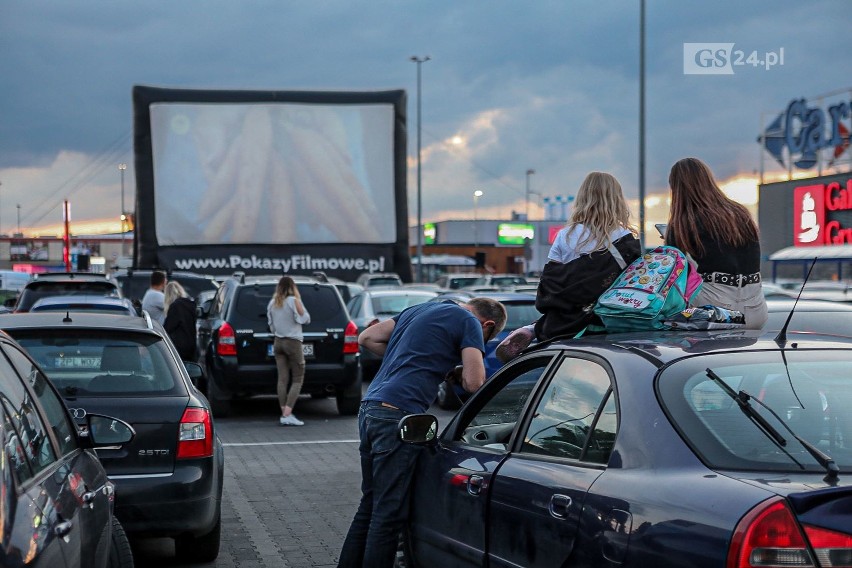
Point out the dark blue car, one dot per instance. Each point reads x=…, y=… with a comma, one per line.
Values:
x=520, y=311
x=706, y=449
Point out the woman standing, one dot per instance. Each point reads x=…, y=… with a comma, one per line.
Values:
x=581, y=265
x=286, y=314
x=180, y=319
x=721, y=236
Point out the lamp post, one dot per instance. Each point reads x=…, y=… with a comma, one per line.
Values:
x=476, y=195
x=19, y=219
x=527, y=211
x=121, y=168
x=642, y=124
x=419, y=61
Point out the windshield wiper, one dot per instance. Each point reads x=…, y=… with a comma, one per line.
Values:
x=742, y=399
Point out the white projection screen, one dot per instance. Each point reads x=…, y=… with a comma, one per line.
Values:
x=284, y=173
x=266, y=181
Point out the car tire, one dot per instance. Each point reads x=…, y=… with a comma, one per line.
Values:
x=349, y=398
x=220, y=403
x=446, y=398
x=198, y=549
x=120, y=554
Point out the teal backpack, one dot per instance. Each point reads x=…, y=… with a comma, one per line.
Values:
x=653, y=288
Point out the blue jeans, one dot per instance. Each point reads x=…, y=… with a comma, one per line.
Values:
x=387, y=465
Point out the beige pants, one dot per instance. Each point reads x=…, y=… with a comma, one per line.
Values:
x=747, y=299
x=289, y=358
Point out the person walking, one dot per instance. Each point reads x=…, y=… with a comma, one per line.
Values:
x=721, y=237
x=581, y=265
x=286, y=315
x=153, y=300
x=420, y=345
x=180, y=320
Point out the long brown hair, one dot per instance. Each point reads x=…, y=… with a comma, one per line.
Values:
x=698, y=201
x=601, y=209
x=282, y=290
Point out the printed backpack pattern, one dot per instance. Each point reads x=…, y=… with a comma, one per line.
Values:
x=654, y=287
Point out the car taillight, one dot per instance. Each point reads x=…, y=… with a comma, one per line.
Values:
x=350, y=338
x=831, y=548
x=195, y=436
x=768, y=536
x=226, y=343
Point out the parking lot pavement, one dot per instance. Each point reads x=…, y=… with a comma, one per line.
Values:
x=290, y=492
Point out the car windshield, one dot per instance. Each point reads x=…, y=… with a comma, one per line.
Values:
x=392, y=305
x=811, y=395
x=102, y=363
x=385, y=281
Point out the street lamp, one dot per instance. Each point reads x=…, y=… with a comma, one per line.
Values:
x=476, y=195
x=19, y=219
x=419, y=61
x=121, y=168
x=527, y=211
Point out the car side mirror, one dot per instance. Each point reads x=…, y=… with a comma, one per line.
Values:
x=203, y=310
x=419, y=429
x=194, y=370
x=105, y=431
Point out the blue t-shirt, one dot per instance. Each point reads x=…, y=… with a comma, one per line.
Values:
x=426, y=342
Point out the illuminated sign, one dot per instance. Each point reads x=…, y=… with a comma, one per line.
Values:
x=804, y=131
x=552, y=231
x=429, y=233
x=812, y=207
x=514, y=233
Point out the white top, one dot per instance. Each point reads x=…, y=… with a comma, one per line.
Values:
x=565, y=245
x=286, y=321
x=153, y=302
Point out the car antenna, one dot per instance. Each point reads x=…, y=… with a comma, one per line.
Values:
x=67, y=318
x=781, y=338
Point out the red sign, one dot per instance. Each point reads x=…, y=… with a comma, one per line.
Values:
x=811, y=202
x=552, y=231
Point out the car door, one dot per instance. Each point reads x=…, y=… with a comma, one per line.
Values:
x=81, y=483
x=451, y=487
x=538, y=492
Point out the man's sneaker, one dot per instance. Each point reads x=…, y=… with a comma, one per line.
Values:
x=516, y=342
x=290, y=420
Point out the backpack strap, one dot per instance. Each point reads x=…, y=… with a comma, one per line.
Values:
x=617, y=256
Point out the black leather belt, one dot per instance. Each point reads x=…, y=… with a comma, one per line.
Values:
x=736, y=280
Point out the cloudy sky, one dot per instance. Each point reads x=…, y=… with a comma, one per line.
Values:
x=512, y=85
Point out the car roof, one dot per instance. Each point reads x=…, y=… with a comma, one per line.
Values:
x=397, y=291
x=778, y=304
x=663, y=347
x=79, y=320
x=79, y=299
x=71, y=276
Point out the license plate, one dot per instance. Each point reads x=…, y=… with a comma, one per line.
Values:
x=307, y=350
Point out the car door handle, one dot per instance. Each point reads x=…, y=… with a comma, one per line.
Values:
x=559, y=505
x=474, y=484
x=62, y=529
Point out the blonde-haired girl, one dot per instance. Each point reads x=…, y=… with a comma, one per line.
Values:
x=286, y=314
x=582, y=263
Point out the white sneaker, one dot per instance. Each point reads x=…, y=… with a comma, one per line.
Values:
x=290, y=420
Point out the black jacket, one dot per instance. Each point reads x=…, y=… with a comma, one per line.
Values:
x=567, y=292
x=180, y=325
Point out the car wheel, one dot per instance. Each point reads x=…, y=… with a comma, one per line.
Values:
x=220, y=403
x=204, y=548
x=120, y=554
x=446, y=398
x=349, y=398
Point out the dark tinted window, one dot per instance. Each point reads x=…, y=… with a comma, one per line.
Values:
x=37, y=290
x=99, y=363
x=322, y=302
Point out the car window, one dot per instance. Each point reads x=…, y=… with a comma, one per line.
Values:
x=492, y=419
x=25, y=420
x=566, y=415
x=519, y=314
x=355, y=306
x=12, y=444
x=322, y=302
x=392, y=305
x=194, y=286
x=101, y=363
x=809, y=392
x=37, y=290
x=53, y=407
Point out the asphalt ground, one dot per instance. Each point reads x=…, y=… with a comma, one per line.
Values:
x=289, y=492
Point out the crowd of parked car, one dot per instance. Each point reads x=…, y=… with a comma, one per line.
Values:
x=562, y=430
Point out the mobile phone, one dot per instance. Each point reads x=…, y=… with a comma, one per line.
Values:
x=661, y=228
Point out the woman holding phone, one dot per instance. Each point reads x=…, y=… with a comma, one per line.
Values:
x=286, y=315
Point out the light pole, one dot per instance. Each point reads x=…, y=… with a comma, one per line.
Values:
x=419, y=61
x=121, y=168
x=19, y=219
x=642, y=124
x=527, y=211
x=476, y=195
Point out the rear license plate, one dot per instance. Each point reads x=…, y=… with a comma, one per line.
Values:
x=307, y=350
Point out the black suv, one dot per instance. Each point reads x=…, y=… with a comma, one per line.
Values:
x=65, y=284
x=135, y=282
x=235, y=343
